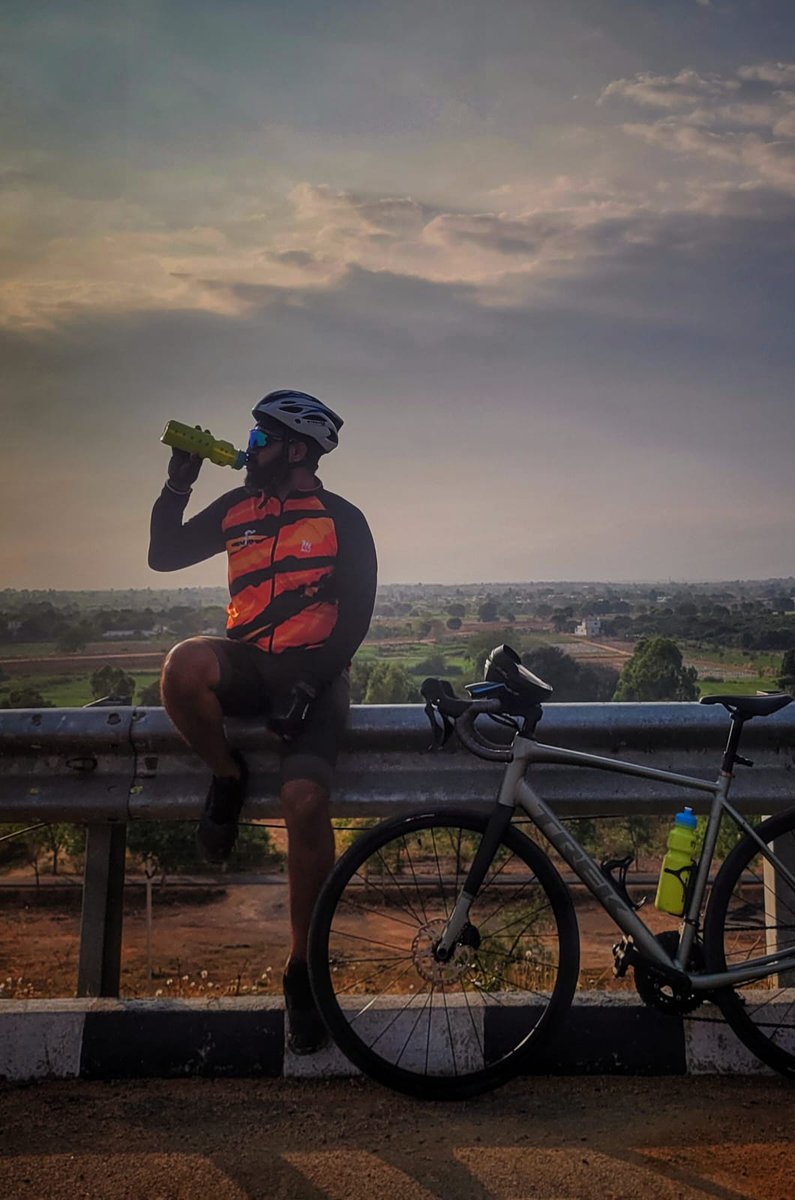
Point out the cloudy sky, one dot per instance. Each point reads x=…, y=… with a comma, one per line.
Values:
x=539, y=256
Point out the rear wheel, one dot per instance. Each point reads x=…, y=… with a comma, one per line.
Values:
x=752, y=914
x=442, y=1030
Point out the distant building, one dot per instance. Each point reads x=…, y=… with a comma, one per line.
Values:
x=589, y=627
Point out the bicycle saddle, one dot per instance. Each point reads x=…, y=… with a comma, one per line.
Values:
x=504, y=666
x=746, y=707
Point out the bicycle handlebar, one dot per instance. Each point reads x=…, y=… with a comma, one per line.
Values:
x=473, y=739
x=464, y=713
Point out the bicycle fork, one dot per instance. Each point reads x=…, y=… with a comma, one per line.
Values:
x=500, y=819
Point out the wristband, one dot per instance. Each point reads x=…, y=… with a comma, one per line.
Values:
x=176, y=491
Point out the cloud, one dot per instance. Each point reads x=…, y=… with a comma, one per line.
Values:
x=754, y=131
x=669, y=91
x=228, y=250
x=769, y=72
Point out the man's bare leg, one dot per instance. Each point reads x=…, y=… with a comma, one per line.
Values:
x=310, y=855
x=190, y=673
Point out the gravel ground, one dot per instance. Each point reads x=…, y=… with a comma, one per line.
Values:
x=553, y=1138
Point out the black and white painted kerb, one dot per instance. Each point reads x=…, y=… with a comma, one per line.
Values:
x=124, y=1039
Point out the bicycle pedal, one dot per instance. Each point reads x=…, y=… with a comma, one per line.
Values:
x=625, y=955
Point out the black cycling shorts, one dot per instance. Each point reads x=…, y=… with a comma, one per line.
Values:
x=251, y=684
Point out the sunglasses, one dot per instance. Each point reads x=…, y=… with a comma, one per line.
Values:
x=259, y=438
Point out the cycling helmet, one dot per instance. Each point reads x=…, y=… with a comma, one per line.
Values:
x=304, y=414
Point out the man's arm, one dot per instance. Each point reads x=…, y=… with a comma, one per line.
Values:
x=355, y=576
x=173, y=545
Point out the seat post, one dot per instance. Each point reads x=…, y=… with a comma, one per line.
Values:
x=732, y=745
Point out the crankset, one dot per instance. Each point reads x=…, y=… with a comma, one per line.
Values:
x=658, y=989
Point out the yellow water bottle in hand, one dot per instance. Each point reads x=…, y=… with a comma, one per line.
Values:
x=195, y=440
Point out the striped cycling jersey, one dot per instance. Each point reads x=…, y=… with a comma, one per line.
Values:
x=281, y=564
x=302, y=571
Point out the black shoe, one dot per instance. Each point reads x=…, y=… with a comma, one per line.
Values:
x=217, y=832
x=306, y=1032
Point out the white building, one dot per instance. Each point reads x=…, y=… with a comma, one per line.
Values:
x=589, y=627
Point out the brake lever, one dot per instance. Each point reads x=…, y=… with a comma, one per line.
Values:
x=442, y=725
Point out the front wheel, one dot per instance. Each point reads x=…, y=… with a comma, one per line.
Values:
x=442, y=1030
x=751, y=914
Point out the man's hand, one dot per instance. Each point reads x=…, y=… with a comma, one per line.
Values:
x=183, y=470
x=289, y=711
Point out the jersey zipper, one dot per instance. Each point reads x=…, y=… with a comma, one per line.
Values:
x=272, y=561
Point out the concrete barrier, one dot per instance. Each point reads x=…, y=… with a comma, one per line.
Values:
x=129, y=1039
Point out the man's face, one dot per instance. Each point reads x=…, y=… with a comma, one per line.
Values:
x=268, y=465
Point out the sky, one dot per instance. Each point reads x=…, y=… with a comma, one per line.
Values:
x=538, y=256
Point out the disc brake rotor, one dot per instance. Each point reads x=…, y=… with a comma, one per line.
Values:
x=433, y=969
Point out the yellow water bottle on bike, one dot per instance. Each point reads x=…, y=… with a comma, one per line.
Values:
x=678, y=864
x=195, y=440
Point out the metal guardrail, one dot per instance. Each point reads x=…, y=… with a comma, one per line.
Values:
x=104, y=767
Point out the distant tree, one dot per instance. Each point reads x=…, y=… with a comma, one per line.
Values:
x=563, y=619
x=172, y=846
x=457, y=610
x=389, y=683
x=434, y=664
x=32, y=843
x=73, y=639
x=656, y=672
x=488, y=610
x=786, y=675
x=360, y=677
x=26, y=697
x=150, y=695
x=111, y=681
x=453, y=622
x=570, y=679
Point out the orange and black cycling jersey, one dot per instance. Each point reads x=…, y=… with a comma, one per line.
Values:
x=302, y=571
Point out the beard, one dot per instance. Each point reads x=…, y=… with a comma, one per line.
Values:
x=266, y=477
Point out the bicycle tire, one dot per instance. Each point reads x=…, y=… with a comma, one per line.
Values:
x=442, y=1031
x=738, y=928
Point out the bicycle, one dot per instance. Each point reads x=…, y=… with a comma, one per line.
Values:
x=444, y=950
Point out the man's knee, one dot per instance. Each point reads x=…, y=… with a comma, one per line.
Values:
x=304, y=803
x=189, y=667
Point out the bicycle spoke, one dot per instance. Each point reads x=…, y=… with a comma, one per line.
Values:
x=414, y=877
x=378, y=912
x=357, y=937
x=439, y=873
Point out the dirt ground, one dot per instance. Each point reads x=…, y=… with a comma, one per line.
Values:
x=220, y=938
x=540, y=1139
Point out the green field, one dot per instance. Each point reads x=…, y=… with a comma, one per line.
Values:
x=69, y=685
x=68, y=691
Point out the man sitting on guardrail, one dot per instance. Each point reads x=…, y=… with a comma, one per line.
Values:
x=302, y=576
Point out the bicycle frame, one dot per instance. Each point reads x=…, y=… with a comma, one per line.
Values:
x=516, y=791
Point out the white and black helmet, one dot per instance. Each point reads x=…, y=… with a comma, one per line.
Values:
x=305, y=415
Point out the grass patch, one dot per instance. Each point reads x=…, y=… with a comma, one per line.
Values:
x=736, y=687
x=27, y=649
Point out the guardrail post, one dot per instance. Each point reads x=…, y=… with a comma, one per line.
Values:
x=780, y=906
x=99, y=970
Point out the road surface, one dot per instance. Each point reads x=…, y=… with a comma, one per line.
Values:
x=556, y=1139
